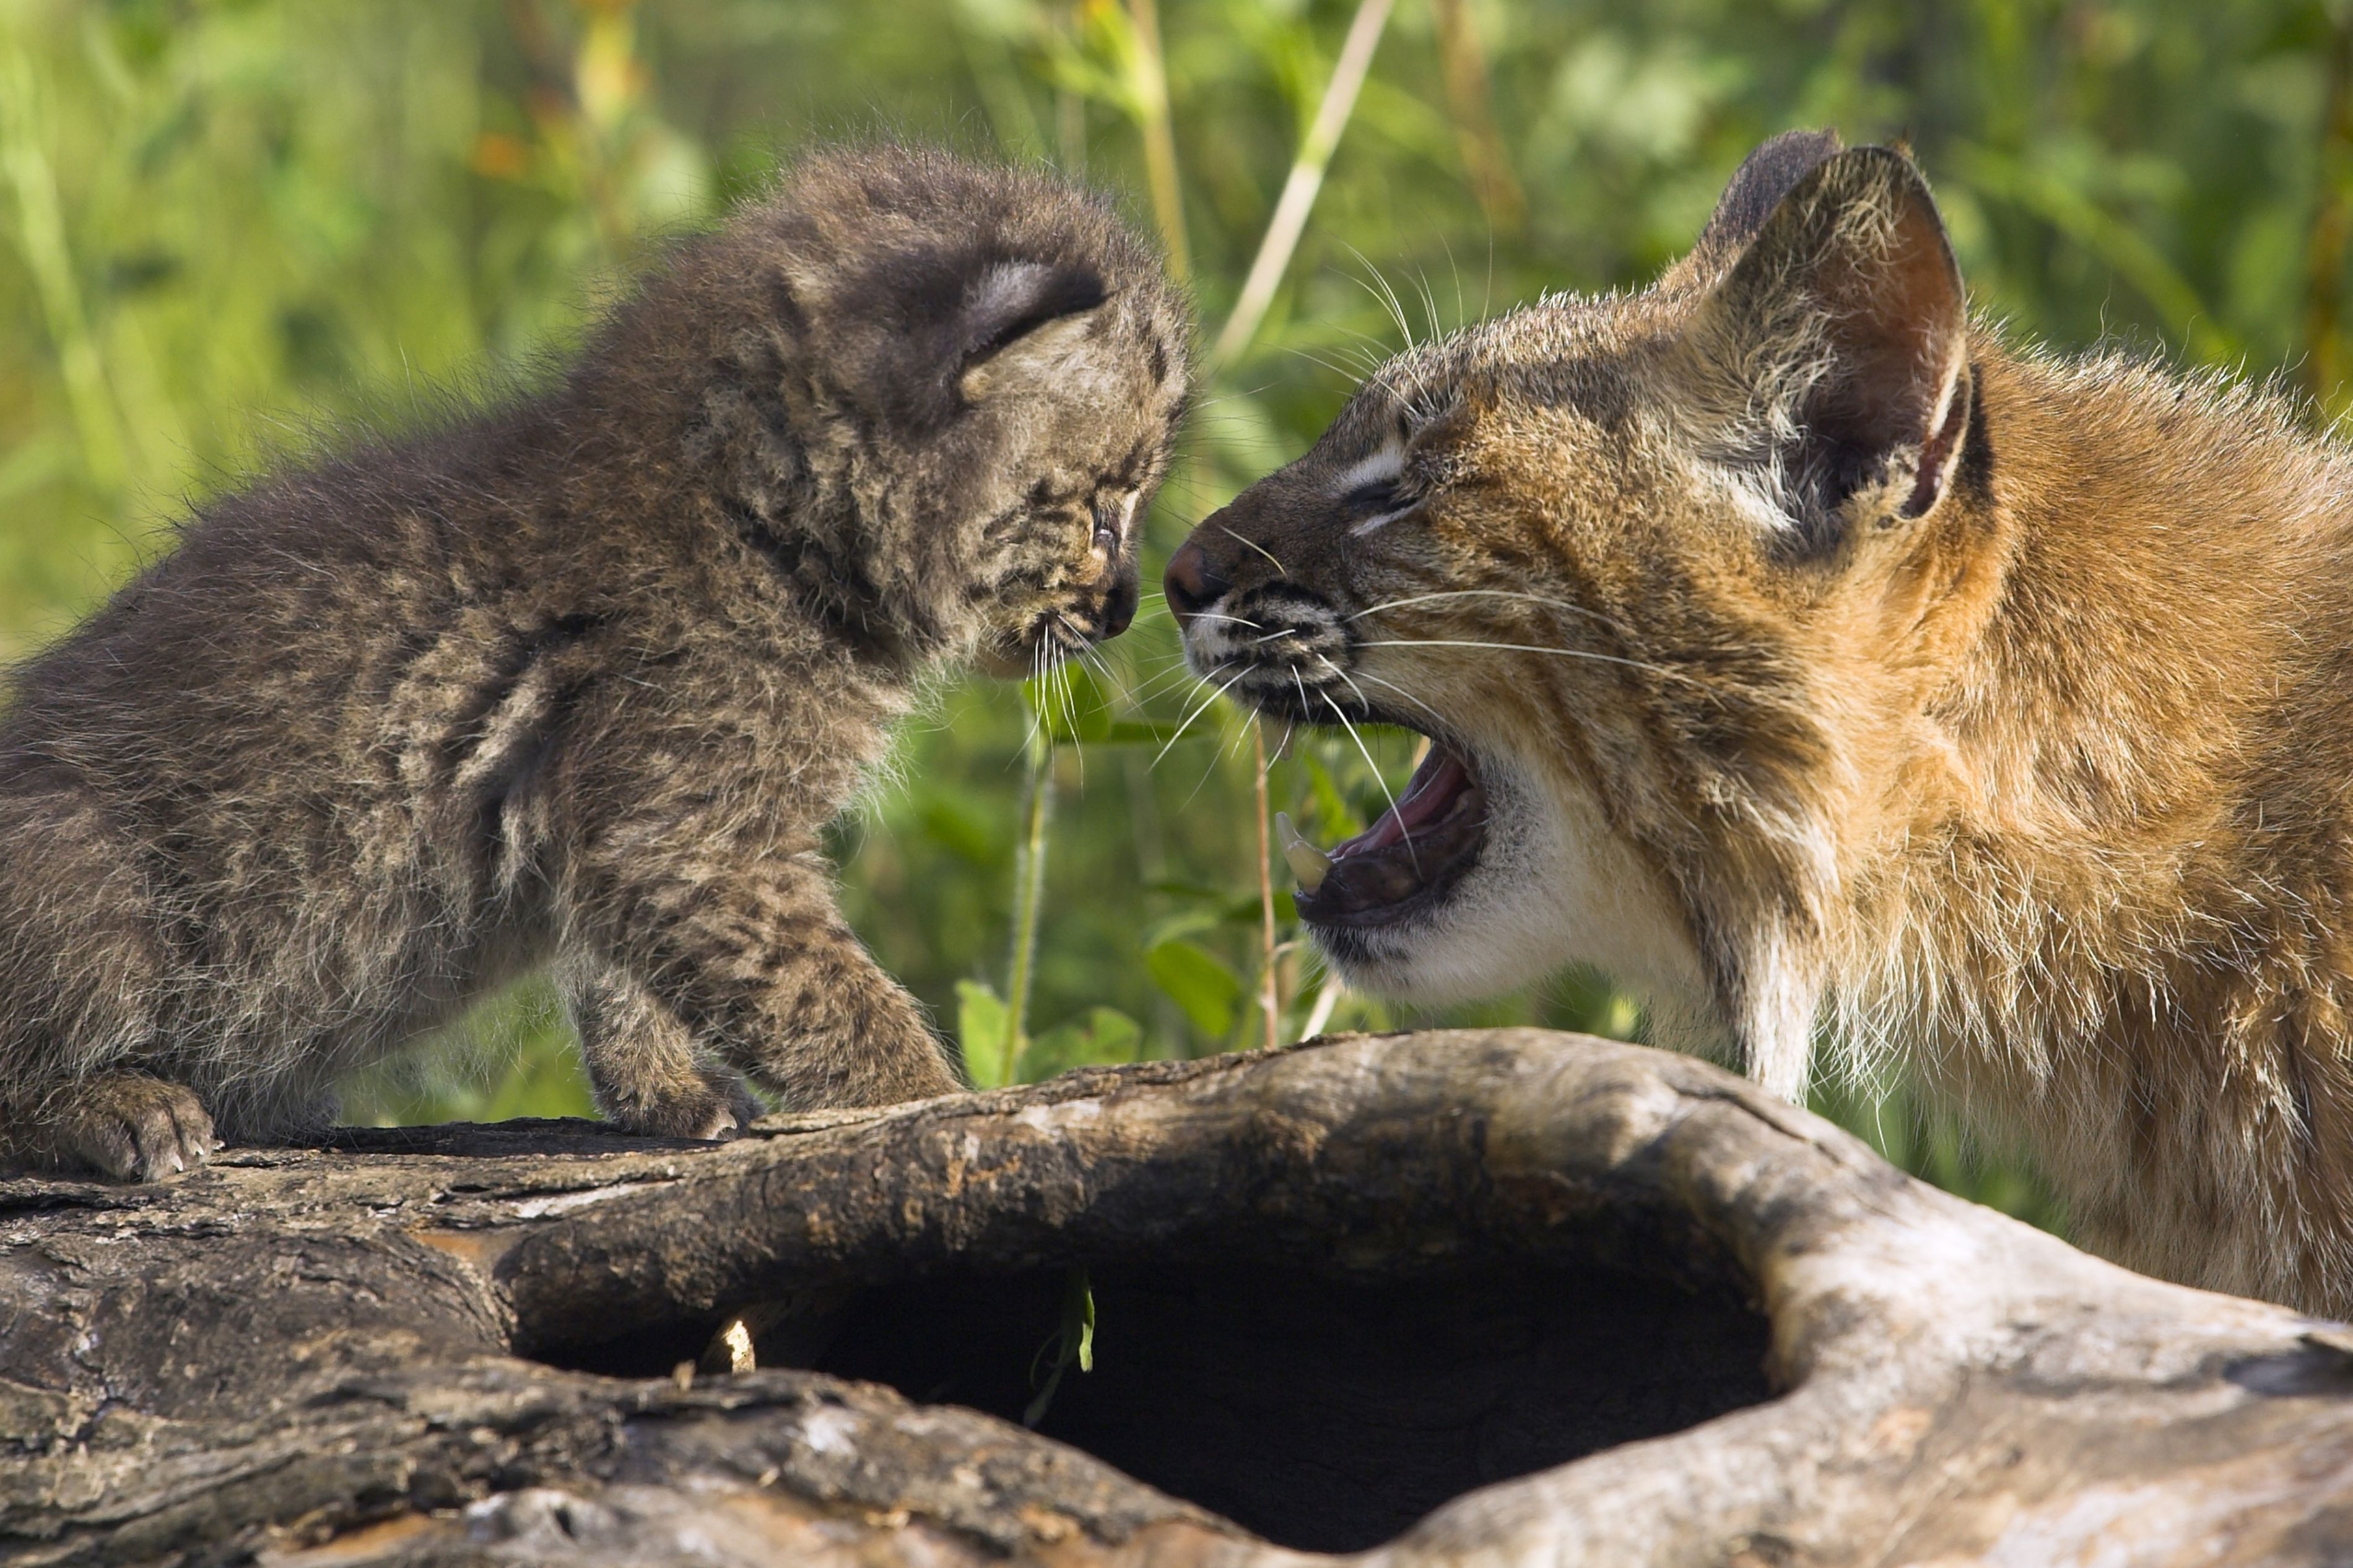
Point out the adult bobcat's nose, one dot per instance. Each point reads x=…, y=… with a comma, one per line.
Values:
x=1194, y=580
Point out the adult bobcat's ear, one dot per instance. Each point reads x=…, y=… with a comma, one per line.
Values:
x=1835, y=349
x=1021, y=319
x=1756, y=187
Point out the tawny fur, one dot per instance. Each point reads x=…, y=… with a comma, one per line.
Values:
x=579, y=681
x=1987, y=706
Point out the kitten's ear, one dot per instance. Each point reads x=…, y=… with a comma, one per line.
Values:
x=1019, y=321
x=1835, y=349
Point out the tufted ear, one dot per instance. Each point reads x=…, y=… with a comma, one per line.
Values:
x=1021, y=319
x=1756, y=187
x=1836, y=344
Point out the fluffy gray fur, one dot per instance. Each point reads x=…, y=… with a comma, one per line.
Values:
x=578, y=681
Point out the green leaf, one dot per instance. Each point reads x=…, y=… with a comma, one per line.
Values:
x=1134, y=732
x=1183, y=924
x=960, y=827
x=1198, y=982
x=981, y=1025
x=1334, y=820
x=1103, y=1036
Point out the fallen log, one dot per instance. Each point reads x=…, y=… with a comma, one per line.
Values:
x=1440, y=1298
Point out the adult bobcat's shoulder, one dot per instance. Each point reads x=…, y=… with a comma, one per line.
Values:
x=1801, y=652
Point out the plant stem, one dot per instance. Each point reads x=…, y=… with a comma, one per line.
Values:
x=1151, y=87
x=1010, y=119
x=1306, y=178
x=2325, y=251
x=1463, y=66
x=41, y=235
x=1320, y=1015
x=1269, y=1000
x=1029, y=899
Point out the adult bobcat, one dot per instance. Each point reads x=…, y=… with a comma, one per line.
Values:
x=1800, y=653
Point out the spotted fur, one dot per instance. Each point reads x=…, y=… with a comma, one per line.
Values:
x=1834, y=666
x=579, y=681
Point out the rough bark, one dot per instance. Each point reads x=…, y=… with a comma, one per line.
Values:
x=1554, y=1299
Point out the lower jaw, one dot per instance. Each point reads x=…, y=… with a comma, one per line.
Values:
x=1431, y=897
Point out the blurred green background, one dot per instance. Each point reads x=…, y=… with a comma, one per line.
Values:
x=226, y=228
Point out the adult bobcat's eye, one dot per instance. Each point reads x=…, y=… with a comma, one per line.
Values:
x=1106, y=527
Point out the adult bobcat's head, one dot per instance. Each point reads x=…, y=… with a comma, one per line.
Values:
x=1640, y=567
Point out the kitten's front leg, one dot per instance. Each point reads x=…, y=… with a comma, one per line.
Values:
x=126, y=1125
x=770, y=978
x=643, y=1064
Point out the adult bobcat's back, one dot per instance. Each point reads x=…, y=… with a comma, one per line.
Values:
x=1802, y=654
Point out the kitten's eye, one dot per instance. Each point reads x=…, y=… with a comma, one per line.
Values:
x=1381, y=495
x=1106, y=526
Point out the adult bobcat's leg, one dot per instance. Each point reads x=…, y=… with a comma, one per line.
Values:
x=756, y=955
x=643, y=1064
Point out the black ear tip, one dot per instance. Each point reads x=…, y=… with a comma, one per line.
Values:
x=1776, y=167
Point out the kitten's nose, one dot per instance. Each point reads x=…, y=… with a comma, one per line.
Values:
x=1119, y=604
x=1194, y=580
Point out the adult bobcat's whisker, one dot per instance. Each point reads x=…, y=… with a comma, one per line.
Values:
x=1203, y=706
x=1401, y=692
x=1386, y=296
x=1333, y=665
x=1165, y=680
x=1405, y=832
x=1262, y=550
x=1528, y=647
x=1611, y=622
x=1274, y=756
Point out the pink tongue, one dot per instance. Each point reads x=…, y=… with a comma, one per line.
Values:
x=1428, y=794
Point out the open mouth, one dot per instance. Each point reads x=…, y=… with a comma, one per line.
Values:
x=1407, y=861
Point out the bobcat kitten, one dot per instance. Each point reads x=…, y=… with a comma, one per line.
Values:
x=1807, y=656
x=578, y=681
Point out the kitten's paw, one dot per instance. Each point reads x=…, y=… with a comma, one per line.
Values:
x=717, y=1107
x=131, y=1128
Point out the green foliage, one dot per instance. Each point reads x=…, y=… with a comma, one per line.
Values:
x=229, y=225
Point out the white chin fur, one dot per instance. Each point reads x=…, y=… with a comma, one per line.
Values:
x=1554, y=886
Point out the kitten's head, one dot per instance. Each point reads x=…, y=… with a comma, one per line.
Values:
x=977, y=373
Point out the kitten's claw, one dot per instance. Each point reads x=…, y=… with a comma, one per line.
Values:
x=133, y=1128
x=716, y=1108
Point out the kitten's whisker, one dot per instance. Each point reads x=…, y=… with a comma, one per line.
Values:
x=1067, y=702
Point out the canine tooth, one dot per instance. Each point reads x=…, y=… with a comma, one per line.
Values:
x=1306, y=862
